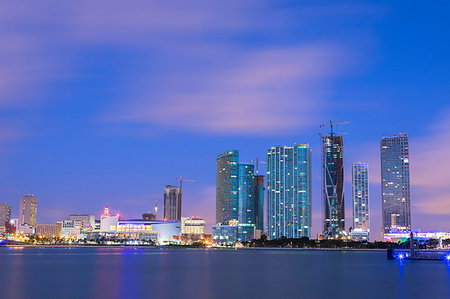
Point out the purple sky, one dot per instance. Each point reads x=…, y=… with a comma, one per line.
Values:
x=107, y=102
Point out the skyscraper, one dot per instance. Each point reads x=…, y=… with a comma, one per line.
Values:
x=227, y=186
x=289, y=191
x=28, y=210
x=395, y=183
x=5, y=213
x=333, y=186
x=360, y=196
x=246, y=189
x=172, y=203
x=259, y=201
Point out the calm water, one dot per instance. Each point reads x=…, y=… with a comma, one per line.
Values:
x=191, y=273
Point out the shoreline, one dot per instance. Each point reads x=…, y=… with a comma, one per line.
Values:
x=182, y=247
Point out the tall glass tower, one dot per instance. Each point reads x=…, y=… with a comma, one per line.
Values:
x=395, y=183
x=360, y=196
x=333, y=186
x=247, y=204
x=172, y=203
x=289, y=191
x=259, y=201
x=227, y=186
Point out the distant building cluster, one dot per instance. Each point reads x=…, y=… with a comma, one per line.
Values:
x=240, y=203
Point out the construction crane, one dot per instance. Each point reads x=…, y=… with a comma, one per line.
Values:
x=181, y=182
x=257, y=161
x=332, y=125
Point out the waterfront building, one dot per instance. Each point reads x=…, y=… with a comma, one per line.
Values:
x=236, y=197
x=360, y=197
x=88, y=221
x=231, y=232
x=70, y=229
x=161, y=232
x=172, y=203
x=246, y=192
x=333, y=186
x=47, y=230
x=227, y=186
x=5, y=214
x=395, y=183
x=259, y=202
x=192, y=229
x=28, y=210
x=289, y=191
x=192, y=226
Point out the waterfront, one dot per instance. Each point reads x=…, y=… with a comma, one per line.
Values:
x=198, y=273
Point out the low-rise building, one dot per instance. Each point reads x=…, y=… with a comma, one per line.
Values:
x=232, y=232
x=403, y=236
x=71, y=229
x=161, y=232
x=47, y=230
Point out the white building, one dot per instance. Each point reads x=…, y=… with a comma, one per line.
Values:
x=161, y=232
x=360, y=197
x=192, y=226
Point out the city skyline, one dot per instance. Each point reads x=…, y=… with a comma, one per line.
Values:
x=96, y=112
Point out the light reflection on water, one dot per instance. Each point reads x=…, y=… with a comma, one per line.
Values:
x=188, y=273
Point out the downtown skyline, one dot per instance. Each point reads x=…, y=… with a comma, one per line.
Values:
x=101, y=112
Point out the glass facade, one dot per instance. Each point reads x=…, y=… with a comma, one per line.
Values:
x=360, y=196
x=172, y=203
x=246, y=206
x=259, y=201
x=333, y=186
x=227, y=186
x=395, y=183
x=289, y=191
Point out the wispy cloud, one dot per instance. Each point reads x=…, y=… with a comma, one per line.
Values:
x=262, y=91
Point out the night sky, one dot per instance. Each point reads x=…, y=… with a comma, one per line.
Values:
x=109, y=101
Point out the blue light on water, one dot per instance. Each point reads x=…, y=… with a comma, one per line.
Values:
x=447, y=257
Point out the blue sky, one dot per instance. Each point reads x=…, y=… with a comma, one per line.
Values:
x=106, y=102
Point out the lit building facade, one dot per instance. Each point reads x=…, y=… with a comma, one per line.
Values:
x=47, y=230
x=5, y=213
x=231, y=232
x=333, y=186
x=395, y=183
x=172, y=203
x=246, y=191
x=192, y=226
x=289, y=191
x=28, y=210
x=227, y=186
x=360, y=196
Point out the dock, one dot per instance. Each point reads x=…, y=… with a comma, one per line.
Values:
x=417, y=254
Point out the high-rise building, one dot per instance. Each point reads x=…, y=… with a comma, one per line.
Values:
x=289, y=191
x=333, y=186
x=172, y=203
x=259, y=201
x=28, y=210
x=246, y=190
x=5, y=213
x=360, y=196
x=227, y=186
x=395, y=183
